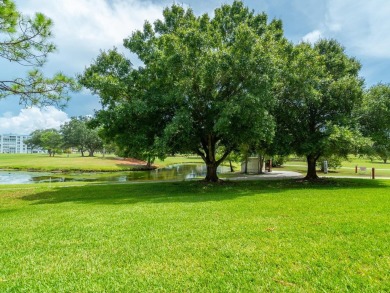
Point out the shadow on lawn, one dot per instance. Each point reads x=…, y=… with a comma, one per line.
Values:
x=143, y=193
x=190, y=192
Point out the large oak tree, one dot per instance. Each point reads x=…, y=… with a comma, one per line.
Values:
x=317, y=94
x=205, y=84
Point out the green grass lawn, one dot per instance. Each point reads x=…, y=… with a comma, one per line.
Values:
x=75, y=162
x=347, y=169
x=59, y=162
x=261, y=236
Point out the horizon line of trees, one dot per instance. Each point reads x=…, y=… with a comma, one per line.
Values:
x=74, y=134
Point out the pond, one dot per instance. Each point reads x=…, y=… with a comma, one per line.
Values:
x=173, y=172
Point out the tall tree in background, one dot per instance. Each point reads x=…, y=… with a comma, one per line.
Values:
x=317, y=93
x=51, y=140
x=77, y=134
x=205, y=84
x=375, y=119
x=34, y=141
x=47, y=139
x=26, y=41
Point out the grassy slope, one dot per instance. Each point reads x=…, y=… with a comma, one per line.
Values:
x=248, y=236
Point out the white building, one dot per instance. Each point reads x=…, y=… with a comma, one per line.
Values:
x=253, y=165
x=14, y=144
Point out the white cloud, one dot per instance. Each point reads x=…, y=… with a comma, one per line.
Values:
x=312, y=37
x=360, y=25
x=31, y=119
x=83, y=27
x=8, y=114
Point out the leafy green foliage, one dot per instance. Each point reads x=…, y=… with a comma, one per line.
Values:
x=317, y=94
x=77, y=134
x=35, y=139
x=26, y=41
x=8, y=16
x=375, y=119
x=51, y=140
x=47, y=139
x=278, y=161
x=205, y=84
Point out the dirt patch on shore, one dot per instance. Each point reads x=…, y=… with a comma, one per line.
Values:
x=130, y=161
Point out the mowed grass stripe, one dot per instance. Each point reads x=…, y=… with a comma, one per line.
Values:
x=188, y=236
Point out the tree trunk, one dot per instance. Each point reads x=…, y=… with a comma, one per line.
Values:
x=90, y=154
x=148, y=163
x=385, y=161
x=208, y=154
x=311, y=167
x=231, y=166
x=211, y=175
x=261, y=163
x=246, y=166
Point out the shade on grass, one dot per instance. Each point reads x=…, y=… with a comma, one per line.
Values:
x=188, y=236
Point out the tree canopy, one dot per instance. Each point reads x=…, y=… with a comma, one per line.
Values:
x=317, y=93
x=77, y=134
x=375, y=119
x=205, y=84
x=47, y=139
x=213, y=85
x=27, y=41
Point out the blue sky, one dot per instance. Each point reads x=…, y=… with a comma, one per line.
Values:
x=83, y=27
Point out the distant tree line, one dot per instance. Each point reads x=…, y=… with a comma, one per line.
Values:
x=74, y=134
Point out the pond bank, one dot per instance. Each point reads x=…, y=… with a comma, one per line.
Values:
x=173, y=172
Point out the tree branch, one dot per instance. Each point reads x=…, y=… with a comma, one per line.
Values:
x=227, y=152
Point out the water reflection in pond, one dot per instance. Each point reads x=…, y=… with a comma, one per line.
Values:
x=173, y=172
